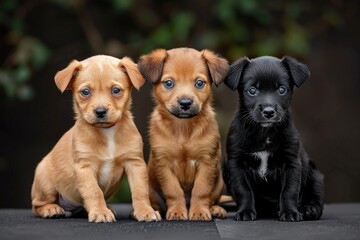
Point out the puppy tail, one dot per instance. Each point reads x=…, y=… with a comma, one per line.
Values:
x=225, y=199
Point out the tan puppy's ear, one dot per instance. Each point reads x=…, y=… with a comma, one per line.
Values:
x=218, y=66
x=130, y=68
x=63, y=78
x=151, y=65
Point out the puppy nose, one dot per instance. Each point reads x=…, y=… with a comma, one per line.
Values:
x=100, y=112
x=268, y=112
x=185, y=103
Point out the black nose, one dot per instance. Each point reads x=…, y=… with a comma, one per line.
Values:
x=268, y=112
x=100, y=112
x=185, y=103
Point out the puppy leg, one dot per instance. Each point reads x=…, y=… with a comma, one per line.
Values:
x=313, y=196
x=94, y=201
x=138, y=180
x=201, y=192
x=290, y=193
x=173, y=194
x=44, y=197
x=215, y=210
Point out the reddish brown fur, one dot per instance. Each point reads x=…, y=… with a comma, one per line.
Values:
x=185, y=153
x=88, y=163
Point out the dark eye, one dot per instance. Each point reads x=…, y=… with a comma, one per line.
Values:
x=168, y=84
x=253, y=91
x=199, y=83
x=85, y=92
x=115, y=90
x=282, y=90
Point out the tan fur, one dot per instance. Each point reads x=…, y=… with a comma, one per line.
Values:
x=185, y=153
x=88, y=162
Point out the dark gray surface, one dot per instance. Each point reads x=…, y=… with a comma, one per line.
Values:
x=340, y=221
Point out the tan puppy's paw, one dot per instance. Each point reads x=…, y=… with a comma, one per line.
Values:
x=50, y=211
x=147, y=215
x=101, y=215
x=176, y=214
x=200, y=214
x=217, y=211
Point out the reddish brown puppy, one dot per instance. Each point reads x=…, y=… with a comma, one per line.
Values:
x=184, y=164
x=87, y=164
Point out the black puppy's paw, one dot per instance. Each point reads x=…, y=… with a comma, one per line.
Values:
x=290, y=216
x=245, y=215
x=311, y=212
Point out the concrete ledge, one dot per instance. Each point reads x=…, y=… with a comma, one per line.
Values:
x=339, y=221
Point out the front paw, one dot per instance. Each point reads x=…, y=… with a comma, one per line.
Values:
x=217, y=211
x=200, y=214
x=50, y=210
x=147, y=215
x=245, y=215
x=311, y=212
x=176, y=214
x=290, y=216
x=101, y=215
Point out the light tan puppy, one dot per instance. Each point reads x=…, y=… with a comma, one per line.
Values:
x=87, y=164
x=184, y=165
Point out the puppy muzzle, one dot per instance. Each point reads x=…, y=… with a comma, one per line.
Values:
x=186, y=108
x=101, y=118
x=267, y=115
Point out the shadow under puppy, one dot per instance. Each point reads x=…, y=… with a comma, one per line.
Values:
x=87, y=164
x=267, y=169
x=184, y=164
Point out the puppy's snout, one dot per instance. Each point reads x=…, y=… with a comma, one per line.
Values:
x=100, y=112
x=185, y=103
x=268, y=112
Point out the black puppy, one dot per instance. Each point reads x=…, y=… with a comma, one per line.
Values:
x=267, y=169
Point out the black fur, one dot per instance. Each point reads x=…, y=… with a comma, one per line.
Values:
x=291, y=187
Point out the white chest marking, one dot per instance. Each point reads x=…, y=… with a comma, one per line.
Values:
x=107, y=166
x=263, y=156
x=193, y=163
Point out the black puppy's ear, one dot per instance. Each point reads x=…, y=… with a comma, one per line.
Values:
x=151, y=65
x=299, y=72
x=233, y=77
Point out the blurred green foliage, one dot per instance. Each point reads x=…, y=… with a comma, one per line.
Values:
x=23, y=54
x=232, y=27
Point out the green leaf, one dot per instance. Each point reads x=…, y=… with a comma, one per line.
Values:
x=39, y=55
x=22, y=74
x=182, y=24
x=122, y=5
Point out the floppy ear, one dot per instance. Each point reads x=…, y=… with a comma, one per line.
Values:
x=63, y=78
x=299, y=72
x=218, y=66
x=236, y=70
x=151, y=65
x=130, y=68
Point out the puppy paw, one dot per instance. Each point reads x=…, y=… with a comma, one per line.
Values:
x=176, y=214
x=200, y=214
x=311, y=212
x=101, y=215
x=148, y=215
x=50, y=211
x=290, y=216
x=217, y=211
x=245, y=215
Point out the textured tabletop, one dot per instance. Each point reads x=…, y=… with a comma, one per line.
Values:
x=339, y=221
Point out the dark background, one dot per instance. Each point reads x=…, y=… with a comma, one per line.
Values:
x=38, y=38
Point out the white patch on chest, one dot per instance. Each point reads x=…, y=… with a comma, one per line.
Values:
x=263, y=156
x=107, y=166
x=193, y=163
